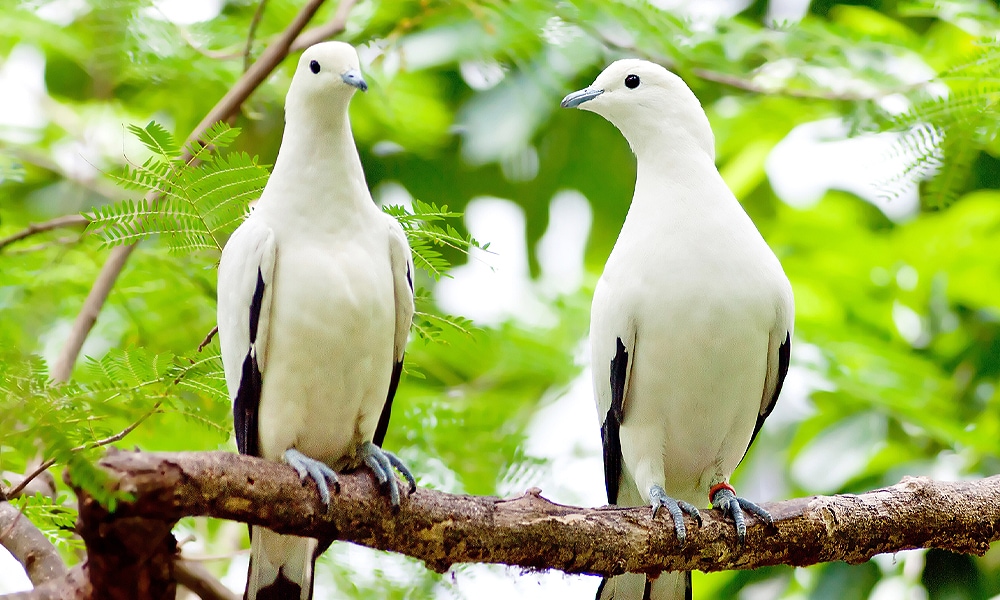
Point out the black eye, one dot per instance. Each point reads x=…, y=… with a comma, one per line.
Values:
x=314, y=67
x=632, y=82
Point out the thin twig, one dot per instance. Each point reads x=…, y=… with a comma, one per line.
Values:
x=208, y=338
x=213, y=54
x=36, y=228
x=743, y=83
x=751, y=86
x=254, y=23
x=89, y=446
x=225, y=108
x=324, y=32
x=68, y=240
x=94, y=185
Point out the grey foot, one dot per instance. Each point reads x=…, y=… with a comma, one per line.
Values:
x=726, y=500
x=381, y=462
x=658, y=498
x=319, y=472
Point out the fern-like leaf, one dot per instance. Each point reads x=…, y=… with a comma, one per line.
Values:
x=942, y=136
x=197, y=205
x=959, y=155
x=157, y=139
x=427, y=228
x=218, y=137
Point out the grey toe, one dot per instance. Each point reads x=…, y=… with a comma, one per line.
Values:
x=658, y=498
x=382, y=462
x=316, y=470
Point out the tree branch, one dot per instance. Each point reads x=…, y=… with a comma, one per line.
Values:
x=747, y=84
x=324, y=32
x=197, y=579
x=444, y=529
x=225, y=108
x=254, y=23
x=41, y=482
x=29, y=546
x=35, y=228
x=75, y=586
x=88, y=446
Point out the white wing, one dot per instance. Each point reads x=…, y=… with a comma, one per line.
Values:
x=401, y=261
x=612, y=346
x=402, y=278
x=246, y=272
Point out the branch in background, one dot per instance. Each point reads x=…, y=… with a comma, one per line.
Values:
x=213, y=54
x=44, y=484
x=92, y=184
x=36, y=228
x=324, y=32
x=750, y=85
x=735, y=81
x=254, y=23
x=29, y=546
x=90, y=446
x=60, y=241
x=226, y=108
x=75, y=586
x=202, y=583
x=444, y=529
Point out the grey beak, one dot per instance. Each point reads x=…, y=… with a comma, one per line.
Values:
x=579, y=97
x=353, y=78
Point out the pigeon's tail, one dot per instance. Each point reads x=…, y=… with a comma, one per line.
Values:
x=281, y=566
x=668, y=586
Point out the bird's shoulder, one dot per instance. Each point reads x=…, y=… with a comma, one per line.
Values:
x=694, y=276
x=253, y=231
x=394, y=229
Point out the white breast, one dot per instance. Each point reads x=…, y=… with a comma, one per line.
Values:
x=331, y=347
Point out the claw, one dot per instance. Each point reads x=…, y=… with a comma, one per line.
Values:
x=394, y=461
x=726, y=500
x=318, y=471
x=659, y=499
x=382, y=462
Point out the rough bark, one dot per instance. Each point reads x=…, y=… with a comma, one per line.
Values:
x=443, y=529
x=201, y=582
x=128, y=558
x=29, y=546
x=74, y=586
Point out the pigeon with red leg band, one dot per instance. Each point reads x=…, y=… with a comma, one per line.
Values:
x=691, y=324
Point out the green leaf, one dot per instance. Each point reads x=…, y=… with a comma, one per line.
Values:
x=157, y=139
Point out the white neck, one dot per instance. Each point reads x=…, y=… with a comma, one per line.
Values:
x=677, y=185
x=655, y=138
x=318, y=173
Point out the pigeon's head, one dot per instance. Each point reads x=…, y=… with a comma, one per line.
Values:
x=327, y=73
x=646, y=103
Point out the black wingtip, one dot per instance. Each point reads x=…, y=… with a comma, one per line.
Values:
x=610, y=439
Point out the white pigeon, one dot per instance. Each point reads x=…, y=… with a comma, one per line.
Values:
x=691, y=323
x=315, y=305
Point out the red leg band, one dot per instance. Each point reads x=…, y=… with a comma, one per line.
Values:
x=719, y=486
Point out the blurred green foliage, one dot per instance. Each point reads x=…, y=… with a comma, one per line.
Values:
x=897, y=350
